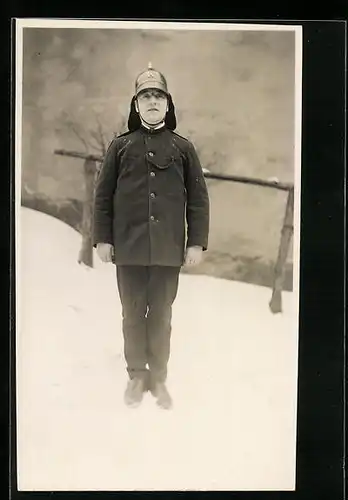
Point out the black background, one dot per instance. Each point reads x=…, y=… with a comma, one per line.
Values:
x=322, y=357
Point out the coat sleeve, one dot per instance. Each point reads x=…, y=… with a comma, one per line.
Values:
x=197, y=209
x=103, y=206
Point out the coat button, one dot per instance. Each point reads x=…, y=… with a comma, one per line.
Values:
x=151, y=153
x=152, y=195
x=152, y=174
x=152, y=217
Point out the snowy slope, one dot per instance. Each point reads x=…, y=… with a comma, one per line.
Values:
x=232, y=375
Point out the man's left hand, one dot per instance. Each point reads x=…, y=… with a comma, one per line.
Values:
x=193, y=256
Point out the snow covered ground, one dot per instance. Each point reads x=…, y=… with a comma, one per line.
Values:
x=232, y=375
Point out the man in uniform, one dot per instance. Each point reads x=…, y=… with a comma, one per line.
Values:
x=151, y=217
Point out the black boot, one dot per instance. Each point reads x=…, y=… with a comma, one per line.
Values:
x=134, y=392
x=164, y=399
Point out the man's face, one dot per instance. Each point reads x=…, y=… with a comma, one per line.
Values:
x=152, y=106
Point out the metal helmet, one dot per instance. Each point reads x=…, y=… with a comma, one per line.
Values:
x=150, y=79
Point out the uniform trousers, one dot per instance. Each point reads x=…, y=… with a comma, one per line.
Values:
x=147, y=294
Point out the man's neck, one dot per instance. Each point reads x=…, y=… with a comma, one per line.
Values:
x=152, y=127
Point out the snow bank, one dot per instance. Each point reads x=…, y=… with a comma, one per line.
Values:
x=232, y=374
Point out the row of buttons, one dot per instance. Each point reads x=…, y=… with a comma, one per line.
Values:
x=152, y=174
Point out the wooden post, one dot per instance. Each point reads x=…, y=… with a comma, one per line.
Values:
x=86, y=251
x=279, y=270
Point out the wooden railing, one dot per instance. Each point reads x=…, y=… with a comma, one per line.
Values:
x=86, y=252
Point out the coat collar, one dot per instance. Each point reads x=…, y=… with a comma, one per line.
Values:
x=152, y=130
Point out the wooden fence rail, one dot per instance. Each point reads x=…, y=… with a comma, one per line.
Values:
x=282, y=186
x=86, y=252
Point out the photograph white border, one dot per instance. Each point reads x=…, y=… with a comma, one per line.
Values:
x=21, y=24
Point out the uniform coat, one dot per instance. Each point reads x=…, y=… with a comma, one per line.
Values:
x=151, y=199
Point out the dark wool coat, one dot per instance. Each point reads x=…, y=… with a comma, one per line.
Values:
x=151, y=199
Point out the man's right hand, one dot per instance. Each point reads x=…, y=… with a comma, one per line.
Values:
x=105, y=252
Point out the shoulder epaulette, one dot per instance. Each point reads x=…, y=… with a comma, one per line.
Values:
x=114, y=140
x=110, y=144
x=181, y=137
x=122, y=135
